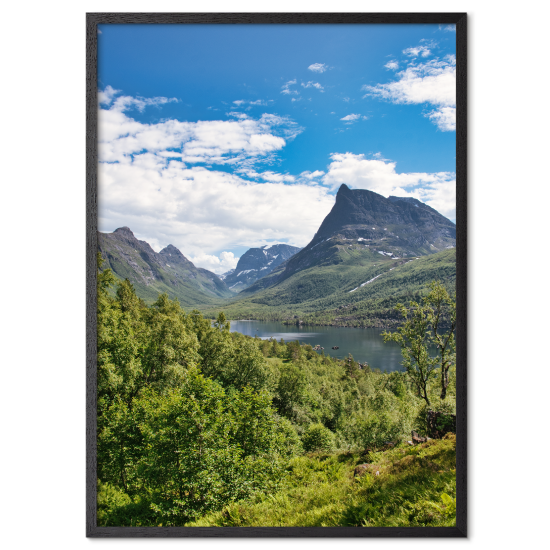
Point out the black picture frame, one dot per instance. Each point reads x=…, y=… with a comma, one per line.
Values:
x=92, y=20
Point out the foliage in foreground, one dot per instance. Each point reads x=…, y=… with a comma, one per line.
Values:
x=193, y=419
x=414, y=486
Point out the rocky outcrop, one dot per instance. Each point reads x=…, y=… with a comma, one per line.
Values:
x=256, y=263
x=151, y=272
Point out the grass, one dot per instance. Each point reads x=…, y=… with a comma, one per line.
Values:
x=321, y=295
x=404, y=486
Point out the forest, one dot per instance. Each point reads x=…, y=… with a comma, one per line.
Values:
x=200, y=426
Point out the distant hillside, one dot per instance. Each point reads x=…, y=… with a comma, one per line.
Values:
x=360, y=289
x=255, y=263
x=152, y=273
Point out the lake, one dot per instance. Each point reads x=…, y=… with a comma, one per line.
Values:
x=365, y=344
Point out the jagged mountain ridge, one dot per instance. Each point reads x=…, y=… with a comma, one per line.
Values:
x=152, y=273
x=394, y=227
x=256, y=263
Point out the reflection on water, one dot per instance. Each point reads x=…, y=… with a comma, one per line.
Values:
x=366, y=345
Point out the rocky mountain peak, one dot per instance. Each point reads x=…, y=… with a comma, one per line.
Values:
x=171, y=250
x=343, y=190
x=125, y=231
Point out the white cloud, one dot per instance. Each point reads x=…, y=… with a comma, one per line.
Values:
x=203, y=211
x=350, y=119
x=312, y=175
x=239, y=102
x=217, y=264
x=237, y=114
x=106, y=96
x=296, y=99
x=286, y=88
x=433, y=82
x=311, y=84
x=444, y=117
x=418, y=50
x=346, y=99
x=435, y=189
x=124, y=103
x=318, y=67
x=393, y=65
x=147, y=182
x=267, y=176
x=215, y=141
x=448, y=28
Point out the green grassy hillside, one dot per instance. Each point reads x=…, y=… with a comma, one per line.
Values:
x=353, y=287
x=404, y=486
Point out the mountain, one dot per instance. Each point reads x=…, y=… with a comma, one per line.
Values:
x=166, y=271
x=255, y=263
x=369, y=253
x=393, y=227
x=224, y=275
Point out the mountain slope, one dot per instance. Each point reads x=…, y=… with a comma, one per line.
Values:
x=256, y=263
x=152, y=273
x=368, y=254
x=361, y=291
x=395, y=227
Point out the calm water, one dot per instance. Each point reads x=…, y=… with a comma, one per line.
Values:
x=364, y=344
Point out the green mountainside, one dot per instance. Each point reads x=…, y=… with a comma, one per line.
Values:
x=369, y=254
x=361, y=289
x=153, y=273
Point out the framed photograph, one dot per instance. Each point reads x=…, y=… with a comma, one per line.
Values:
x=276, y=275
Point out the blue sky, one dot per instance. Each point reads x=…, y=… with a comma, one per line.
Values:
x=218, y=138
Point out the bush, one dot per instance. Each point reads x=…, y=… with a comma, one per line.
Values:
x=318, y=438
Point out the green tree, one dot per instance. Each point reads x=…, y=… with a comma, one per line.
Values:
x=290, y=390
x=189, y=450
x=293, y=351
x=430, y=324
x=318, y=438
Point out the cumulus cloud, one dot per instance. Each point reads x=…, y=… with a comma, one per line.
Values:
x=433, y=82
x=444, y=117
x=215, y=141
x=239, y=102
x=217, y=264
x=393, y=65
x=286, y=88
x=318, y=67
x=447, y=28
x=106, y=96
x=148, y=182
x=203, y=211
x=311, y=84
x=379, y=175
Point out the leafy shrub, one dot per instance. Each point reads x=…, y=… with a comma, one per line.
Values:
x=318, y=438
